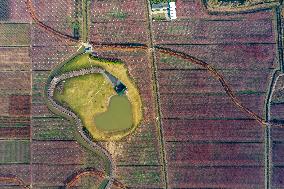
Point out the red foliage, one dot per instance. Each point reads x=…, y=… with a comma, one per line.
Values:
x=20, y=105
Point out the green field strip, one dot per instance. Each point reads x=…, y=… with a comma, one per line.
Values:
x=52, y=129
x=14, y=151
x=53, y=134
x=14, y=121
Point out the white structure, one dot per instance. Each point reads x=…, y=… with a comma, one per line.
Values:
x=164, y=11
x=88, y=48
x=173, y=12
x=160, y=7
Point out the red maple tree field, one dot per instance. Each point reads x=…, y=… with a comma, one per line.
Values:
x=18, y=11
x=119, y=32
x=111, y=10
x=197, y=114
x=223, y=177
x=57, y=14
x=243, y=28
x=118, y=22
x=14, y=58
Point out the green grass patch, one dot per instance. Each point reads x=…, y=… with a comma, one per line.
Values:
x=140, y=176
x=88, y=95
x=52, y=128
x=54, y=134
x=6, y=121
x=117, y=15
x=78, y=62
x=15, y=151
x=159, y=16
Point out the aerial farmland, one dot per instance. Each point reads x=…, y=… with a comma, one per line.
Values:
x=141, y=94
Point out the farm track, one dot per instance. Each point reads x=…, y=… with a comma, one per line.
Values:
x=217, y=76
x=15, y=180
x=73, y=180
x=133, y=47
x=44, y=26
x=195, y=61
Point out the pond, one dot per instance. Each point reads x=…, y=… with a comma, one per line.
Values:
x=117, y=117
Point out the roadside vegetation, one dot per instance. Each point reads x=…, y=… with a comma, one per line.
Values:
x=117, y=15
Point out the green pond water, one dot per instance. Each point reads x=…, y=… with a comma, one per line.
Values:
x=117, y=117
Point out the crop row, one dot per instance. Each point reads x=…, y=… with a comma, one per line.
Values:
x=212, y=31
x=215, y=154
x=57, y=152
x=112, y=10
x=10, y=121
x=41, y=37
x=203, y=129
x=208, y=106
x=196, y=9
x=18, y=11
x=15, y=82
x=52, y=175
x=14, y=151
x=119, y=32
x=52, y=128
x=139, y=148
x=183, y=81
x=250, y=57
x=12, y=59
x=20, y=170
x=14, y=132
x=217, y=177
x=212, y=130
x=39, y=107
x=57, y=14
x=46, y=58
x=14, y=11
